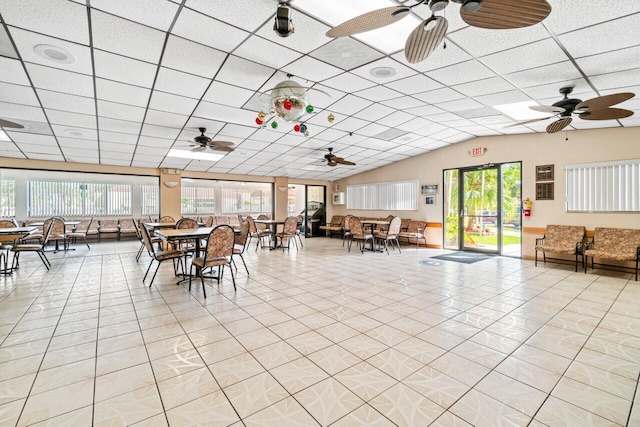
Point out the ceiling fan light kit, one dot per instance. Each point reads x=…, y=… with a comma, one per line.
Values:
x=438, y=5
x=472, y=5
x=283, y=25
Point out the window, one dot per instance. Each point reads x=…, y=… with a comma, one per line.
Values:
x=69, y=199
x=243, y=200
x=604, y=187
x=8, y=196
x=149, y=199
x=399, y=196
x=198, y=200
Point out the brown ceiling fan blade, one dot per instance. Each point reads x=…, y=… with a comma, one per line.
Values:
x=602, y=102
x=345, y=162
x=332, y=163
x=422, y=42
x=526, y=122
x=8, y=124
x=547, y=109
x=507, y=14
x=607, y=114
x=221, y=148
x=369, y=21
x=558, y=125
x=222, y=143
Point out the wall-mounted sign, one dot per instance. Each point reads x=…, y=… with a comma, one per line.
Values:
x=477, y=151
x=430, y=189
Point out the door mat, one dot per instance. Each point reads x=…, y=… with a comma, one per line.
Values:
x=463, y=257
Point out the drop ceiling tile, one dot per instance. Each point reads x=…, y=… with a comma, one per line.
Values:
x=484, y=86
x=346, y=53
x=234, y=96
x=159, y=131
x=122, y=126
x=65, y=102
x=569, y=15
x=458, y=105
x=224, y=113
x=374, y=112
x=185, y=55
x=21, y=112
x=71, y=119
x=60, y=81
x=158, y=14
x=252, y=144
x=180, y=83
x=6, y=47
x=309, y=35
x=30, y=138
x=371, y=130
x=395, y=119
x=415, y=124
x=532, y=55
x=508, y=97
x=549, y=74
x=163, y=118
x=433, y=129
x=545, y=91
x=236, y=131
x=113, y=155
x=267, y=135
x=31, y=149
x=126, y=70
x=265, y=52
x=11, y=71
x=378, y=94
x=191, y=128
x=122, y=148
x=403, y=103
x=126, y=38
x=122, y=93
x=349, y=105
x=57, y=18
x=18, y=94
x=616, y=80
x=414, y=84
x=424, y=110
x=313, y=70
x=439, y=58
x=398, y=70
x=618, y=60
x=173, y=103
x=461, y=73
x=604, y=37
x=230, y=13
x=40, y=128
x=26, y=41
x=161, y=143
x=117, y=137
x=208, y=31
x=330, y=135
x=351, y=124
x=479, y=41
x=444, y=94
x=240, y=72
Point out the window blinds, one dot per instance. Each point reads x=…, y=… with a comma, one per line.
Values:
x=397, y=196
x=604, y=187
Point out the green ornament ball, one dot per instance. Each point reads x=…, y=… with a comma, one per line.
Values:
x=309, y=109
x=274, y=125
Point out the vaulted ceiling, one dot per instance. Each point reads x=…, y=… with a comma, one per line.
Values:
x=122, y=82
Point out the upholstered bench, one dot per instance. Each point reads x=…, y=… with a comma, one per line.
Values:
x=616, y=244
x=335, y=226
x=561, y=239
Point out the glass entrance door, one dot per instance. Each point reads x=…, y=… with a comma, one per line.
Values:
x=482, y=209
x=316, y=214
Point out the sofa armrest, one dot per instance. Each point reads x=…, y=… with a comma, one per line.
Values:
x=540, y=240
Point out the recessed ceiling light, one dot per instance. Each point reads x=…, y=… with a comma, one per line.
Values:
x=54, y=53
x=383, y=72
x=196, y=155
x=73, y=132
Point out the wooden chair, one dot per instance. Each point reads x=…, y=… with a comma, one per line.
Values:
x=159, y=256
x=218, y=253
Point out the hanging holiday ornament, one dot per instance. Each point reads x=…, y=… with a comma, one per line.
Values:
x=296, y=128
x=309, y=109
x=258, y=121
x=306, y=133
x=303, y=128
x=287, y=105
x=331, y=118
x=262, y=115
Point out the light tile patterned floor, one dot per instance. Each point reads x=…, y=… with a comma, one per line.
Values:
x=318, y=336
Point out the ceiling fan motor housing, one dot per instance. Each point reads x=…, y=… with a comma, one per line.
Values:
x=569, y=104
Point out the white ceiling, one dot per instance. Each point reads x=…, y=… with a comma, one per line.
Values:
x=146, y=74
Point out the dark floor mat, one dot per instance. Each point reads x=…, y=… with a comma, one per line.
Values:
x=463, y=257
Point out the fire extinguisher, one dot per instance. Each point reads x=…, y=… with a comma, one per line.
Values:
x=526, y=205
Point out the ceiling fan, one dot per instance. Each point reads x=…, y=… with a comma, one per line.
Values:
x=426, y=37
x=8, y=124
x=591, y=109
x=333, y=160
x=202, y=142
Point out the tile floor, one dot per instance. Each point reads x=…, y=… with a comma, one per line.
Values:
x=318, y=337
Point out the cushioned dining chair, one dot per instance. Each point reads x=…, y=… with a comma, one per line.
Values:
x=299, y=221
x=241, y=243
x=258, y=232
x=218, y=253
x=389, y=234
x=188, y=246
x=154, y=239
x=159, y=256
x=80, y=232
x=6, y=243
x=358, y=234
x=167, y=220
x=34, y=247
x=288, y=232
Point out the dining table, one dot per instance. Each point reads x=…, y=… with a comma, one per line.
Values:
x=372, y=224
x=73, y=224
x=273, y=227
x=10, y=235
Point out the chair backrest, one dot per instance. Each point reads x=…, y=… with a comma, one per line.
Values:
x=46, y=230
x=126, y=224
x=252, y=224
x=5, y=223
x=563, y=236
x=394, y=227
x=187, y=223
x=166, y=219
x=220, y=242
x=137, y=225
x=146, y=239
x=262, y=226
x=355, y=226
x=290, y=224
x=299, y=221
x=84, y=225
x=619, y=240
x=209, y=221
x=57, y=226
x=346, y=222
x=404, y=224
x=416, y=226
x=241, y=239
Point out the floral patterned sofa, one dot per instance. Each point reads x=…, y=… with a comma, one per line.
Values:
x=561, y=239
x=616, y=244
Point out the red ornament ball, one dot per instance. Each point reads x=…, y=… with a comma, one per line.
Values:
x=296, y=128
x=258, y=121
x=287, y=105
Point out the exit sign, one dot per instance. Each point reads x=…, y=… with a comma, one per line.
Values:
x=477, y=151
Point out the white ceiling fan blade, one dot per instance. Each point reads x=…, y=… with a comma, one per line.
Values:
x=369, y=21
x=528, y=121
x=547, y=109
x=425, y=38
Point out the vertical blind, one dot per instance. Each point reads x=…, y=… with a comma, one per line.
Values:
x=69, y=199
x=149, y=199
x=396, y=196
x=198, y=200
x=604, y=187
x=8, y=195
